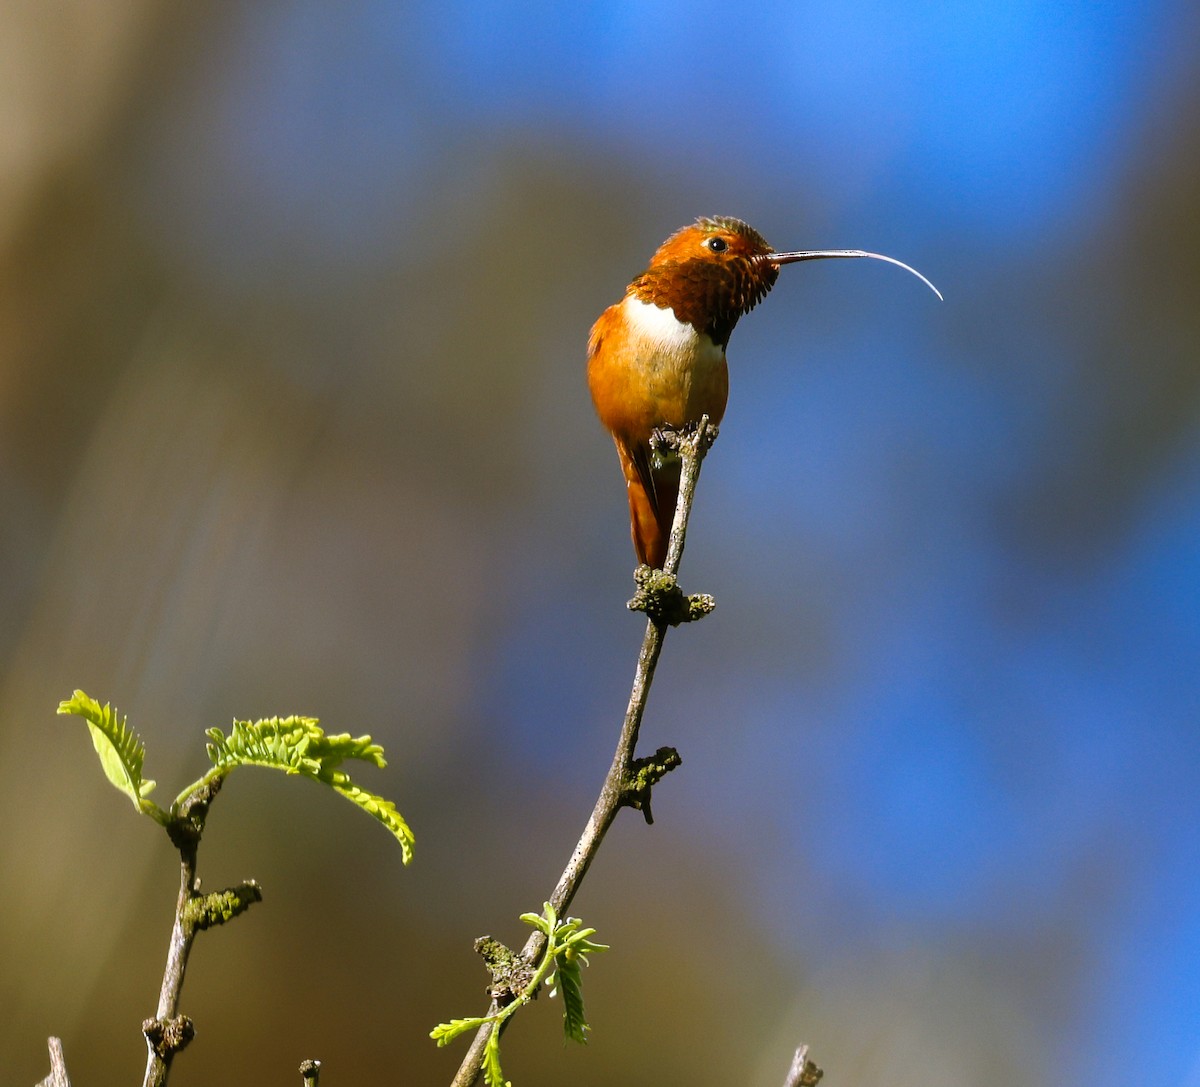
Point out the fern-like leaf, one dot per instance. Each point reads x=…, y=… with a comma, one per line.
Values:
x=493, y=1074
x=379, y=808
x=570, y=945
x=335, y=749
x=120, y=749
x=276, y=743
x=570, y=984
x=298, y=745
x=445, y=1033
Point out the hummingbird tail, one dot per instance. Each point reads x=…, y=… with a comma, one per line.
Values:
x=652, y=495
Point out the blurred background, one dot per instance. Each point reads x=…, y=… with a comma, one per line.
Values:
x=292, y=420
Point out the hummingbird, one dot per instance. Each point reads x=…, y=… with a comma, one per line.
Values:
x=656, y=359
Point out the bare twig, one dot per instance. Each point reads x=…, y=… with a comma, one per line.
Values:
x=310, y=1073
x=803, y=1072
x=58, y=1066
x=626, y=785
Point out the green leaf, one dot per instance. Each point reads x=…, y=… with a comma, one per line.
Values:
x=493, y=1074
x=570, y=946
x=378, y=808
x=445, y=1033
x=120, y=749
x=276, y=743
x=544, y=921
x=298, y=745
x=570, y=984
x=338, y=748
x=580, y=945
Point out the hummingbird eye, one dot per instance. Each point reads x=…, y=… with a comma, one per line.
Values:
x=716, y=243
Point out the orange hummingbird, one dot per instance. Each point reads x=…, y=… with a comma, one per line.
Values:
x=657, y=357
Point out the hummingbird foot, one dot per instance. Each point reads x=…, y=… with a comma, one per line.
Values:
x=694, y=438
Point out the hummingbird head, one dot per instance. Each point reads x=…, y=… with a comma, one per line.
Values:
x=709, y=273
x=718, y=268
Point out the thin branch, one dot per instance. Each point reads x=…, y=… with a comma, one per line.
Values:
x=622, y=786
x=168, y=1032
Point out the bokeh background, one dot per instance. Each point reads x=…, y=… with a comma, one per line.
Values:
x=292, y=419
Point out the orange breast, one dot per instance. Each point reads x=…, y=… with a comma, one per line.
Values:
x=647, y=369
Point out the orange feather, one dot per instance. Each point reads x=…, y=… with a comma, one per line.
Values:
x=640, y=381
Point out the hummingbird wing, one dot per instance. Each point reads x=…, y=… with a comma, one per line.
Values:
x=616, y=380
x=653, y=487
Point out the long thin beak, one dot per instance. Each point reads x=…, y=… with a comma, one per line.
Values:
x=826, y=254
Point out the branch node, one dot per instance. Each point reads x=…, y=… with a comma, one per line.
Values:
x=660, y=597
x=168, y=1036
x=187, y=825
x=217, y=907
x=643, y=775
x=511, y=972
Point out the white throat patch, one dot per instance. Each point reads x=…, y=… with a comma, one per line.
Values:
x=660, y=325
